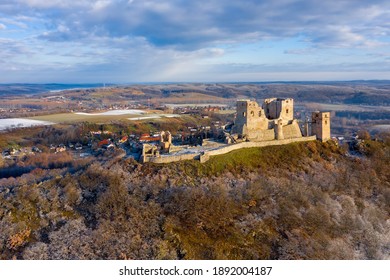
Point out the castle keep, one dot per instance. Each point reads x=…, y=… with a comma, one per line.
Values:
x=275, y=121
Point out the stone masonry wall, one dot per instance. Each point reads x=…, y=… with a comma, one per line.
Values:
x=292, y=130
x=225, y=149
x=234, y=147
x=171, y=158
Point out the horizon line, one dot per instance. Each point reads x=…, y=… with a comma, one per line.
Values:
x=199, y=82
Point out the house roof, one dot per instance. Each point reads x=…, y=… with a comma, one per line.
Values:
x=148, y=138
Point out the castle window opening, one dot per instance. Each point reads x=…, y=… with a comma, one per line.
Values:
x=286, y=111
x=252, y=113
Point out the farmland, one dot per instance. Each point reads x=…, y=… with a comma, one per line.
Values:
x=363, y=104
x=101, y=118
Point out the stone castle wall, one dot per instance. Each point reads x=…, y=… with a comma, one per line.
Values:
x=292, y=130
x=263, y=135
x=203, y=157
x=171, y=158
x=242, y=145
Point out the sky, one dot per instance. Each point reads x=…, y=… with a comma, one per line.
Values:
x=140, y=41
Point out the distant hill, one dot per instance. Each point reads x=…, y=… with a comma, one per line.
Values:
x=15, y=89
x=347, y=92
x=354, y=92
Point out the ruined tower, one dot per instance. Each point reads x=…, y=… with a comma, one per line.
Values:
x=279, y=108
x=274, y=120
x=320, y=125
x=279, y=130
x=165, y=140
x=250, y=118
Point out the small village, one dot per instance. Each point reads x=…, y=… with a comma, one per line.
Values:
x=272, y=121
x=97, y=142
x=267, y=124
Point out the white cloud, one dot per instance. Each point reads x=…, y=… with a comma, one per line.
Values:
x=53, y=3
x=101, y=4
x=200, y=24
x=305, y=51
x=154, y=39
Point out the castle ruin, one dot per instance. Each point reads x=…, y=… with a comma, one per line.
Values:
x=271, y=124
x=275, y=121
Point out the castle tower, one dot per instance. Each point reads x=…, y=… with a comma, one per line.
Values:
x=279, y=129
x=320, y=125
x=250, y=118
x=276, y=108
x=165, y=140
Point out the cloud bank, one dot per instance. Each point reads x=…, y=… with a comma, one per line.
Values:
x=178, y=40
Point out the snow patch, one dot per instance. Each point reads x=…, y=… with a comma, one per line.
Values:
x=114, y=113
x=144, y=118
x=15, y=123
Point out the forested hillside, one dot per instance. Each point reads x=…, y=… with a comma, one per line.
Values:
x=301, y=201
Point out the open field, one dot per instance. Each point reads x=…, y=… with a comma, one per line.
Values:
x=226, y=112
x=182, y=105
x=72, y=118
x=380, y=128
x=154, y=116
x=14, y=123
x=354, y=105
x=344, y=107
x=192, y=97
x=113, y=113
x=113, y=91
x=102, y=117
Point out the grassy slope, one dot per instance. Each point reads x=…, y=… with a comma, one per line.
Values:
x=265, y=159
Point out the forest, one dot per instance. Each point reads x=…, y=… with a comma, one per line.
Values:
x=308, y=200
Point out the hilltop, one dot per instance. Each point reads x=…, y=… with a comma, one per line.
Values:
x=300, y=201
x=28, y=89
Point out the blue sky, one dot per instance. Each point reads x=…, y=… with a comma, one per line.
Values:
x=123, y=41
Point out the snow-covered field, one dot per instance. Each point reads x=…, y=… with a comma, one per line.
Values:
x=157, y=116
x=114, y=113
x=144, y=118
x=14, y=123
